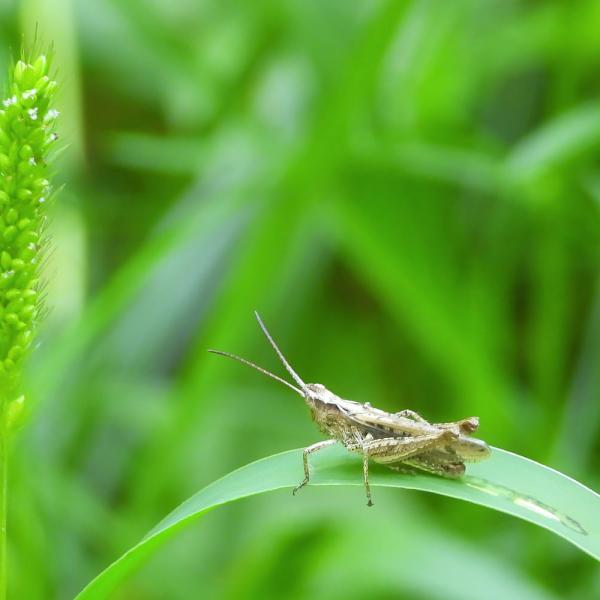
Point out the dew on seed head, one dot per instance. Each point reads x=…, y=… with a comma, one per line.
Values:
x=51, y=115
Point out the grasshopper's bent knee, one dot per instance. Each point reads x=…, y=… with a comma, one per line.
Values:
x=305, y=453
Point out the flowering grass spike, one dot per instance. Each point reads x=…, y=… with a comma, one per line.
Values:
x=26, y=135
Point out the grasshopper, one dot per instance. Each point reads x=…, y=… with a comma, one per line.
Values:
x=403, y=441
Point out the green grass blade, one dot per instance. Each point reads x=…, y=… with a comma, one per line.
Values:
x=506, y=482
x=568, y=136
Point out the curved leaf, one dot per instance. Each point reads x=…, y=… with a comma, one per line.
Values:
x=506, y=482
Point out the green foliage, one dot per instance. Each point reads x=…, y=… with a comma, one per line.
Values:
x=407, y=191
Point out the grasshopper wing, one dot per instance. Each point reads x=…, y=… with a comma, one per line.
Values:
x=382, y=422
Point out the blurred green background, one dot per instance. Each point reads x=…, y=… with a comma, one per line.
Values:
x=408, y=192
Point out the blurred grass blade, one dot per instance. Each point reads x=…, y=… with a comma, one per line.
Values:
x=417, y=282
x=346, y=573
x=507, y=482
x=169, y=155
x=446, y=164
x=119, y=292
x=288, y=202
x=558, y=141
x=355, y=564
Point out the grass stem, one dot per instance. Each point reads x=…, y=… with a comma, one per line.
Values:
x=3, y=511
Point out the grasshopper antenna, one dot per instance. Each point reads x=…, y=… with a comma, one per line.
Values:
x=287, y=366
x=254, y=366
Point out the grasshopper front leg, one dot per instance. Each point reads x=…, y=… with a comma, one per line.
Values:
x=305, y=453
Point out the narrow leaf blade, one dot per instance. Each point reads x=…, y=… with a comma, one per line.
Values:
x=506, y=482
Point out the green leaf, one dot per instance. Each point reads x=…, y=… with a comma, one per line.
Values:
x=564, y=138
x=506, y=482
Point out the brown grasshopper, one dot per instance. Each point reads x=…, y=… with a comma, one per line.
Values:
x=401, y=441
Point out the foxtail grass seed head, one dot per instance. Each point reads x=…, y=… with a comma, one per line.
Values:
x=27, y=121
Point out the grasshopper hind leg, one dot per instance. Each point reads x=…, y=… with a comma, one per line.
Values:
x=414, y=468
x=433, y=463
